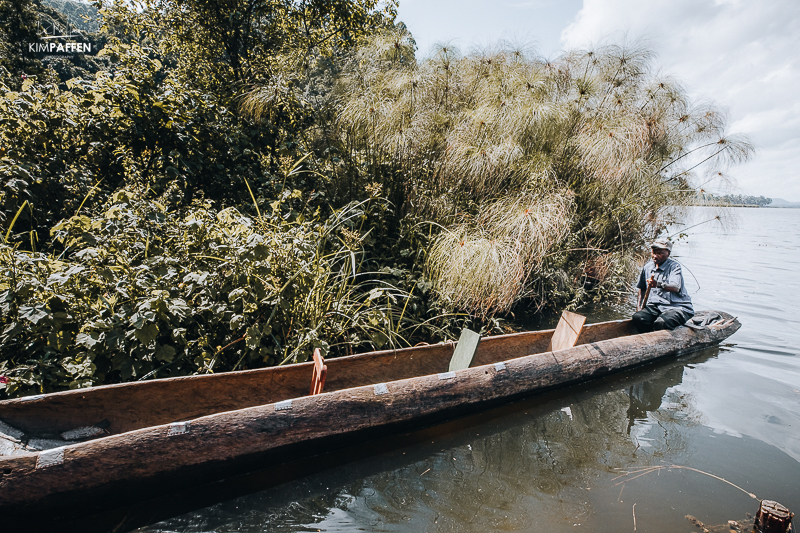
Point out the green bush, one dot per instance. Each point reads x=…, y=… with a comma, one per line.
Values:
x=139, y=125
x=142, y=291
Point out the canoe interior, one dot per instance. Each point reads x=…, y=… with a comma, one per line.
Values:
x=130, y=406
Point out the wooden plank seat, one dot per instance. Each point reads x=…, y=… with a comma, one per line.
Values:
x=567, y=331
x=465, y=350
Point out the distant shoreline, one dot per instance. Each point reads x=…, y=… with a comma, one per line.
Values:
x=788, y=205
x=709, y=204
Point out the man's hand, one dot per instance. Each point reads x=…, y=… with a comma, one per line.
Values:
x=652, y=283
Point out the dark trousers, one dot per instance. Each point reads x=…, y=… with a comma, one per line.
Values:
x=650, y=318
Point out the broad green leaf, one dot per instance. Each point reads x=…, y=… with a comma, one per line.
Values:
x=253, y=337
x=378, y=338
x=32, y=314
x=236, y=322
x=59, y=340
x=87, y=339
x=147, y=333
x=165, y=353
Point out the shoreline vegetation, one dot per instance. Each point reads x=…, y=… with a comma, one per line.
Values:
x=232, y=184
x=711, y=200
x=731, y=200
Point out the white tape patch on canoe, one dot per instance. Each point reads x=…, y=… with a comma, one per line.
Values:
x=447, y=375
x=50, y=458
x=30, y=398
x=284, y=405
x=381, y=388
x=178, y=428
x=499, y=366
x=82, y=433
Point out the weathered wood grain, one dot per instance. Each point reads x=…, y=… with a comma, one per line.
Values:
x=148, y=452
x=567, y=331
x=131, y=406
x=772, y=517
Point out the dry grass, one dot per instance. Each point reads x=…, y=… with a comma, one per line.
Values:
x=486, y=266
x=595, y=143
x=476, y=271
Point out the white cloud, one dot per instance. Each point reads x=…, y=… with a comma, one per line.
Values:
x=468, y=23
x=742, y=55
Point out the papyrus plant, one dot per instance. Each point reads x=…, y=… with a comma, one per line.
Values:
x=598, y=139
x=485, y=265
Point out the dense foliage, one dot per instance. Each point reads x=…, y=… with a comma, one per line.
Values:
x=547, y=174
x=233, y=183
x=148, y=292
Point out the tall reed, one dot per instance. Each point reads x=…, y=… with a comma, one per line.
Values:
x=582, y=158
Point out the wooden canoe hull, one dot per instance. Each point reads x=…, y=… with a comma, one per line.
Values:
x=59, y=477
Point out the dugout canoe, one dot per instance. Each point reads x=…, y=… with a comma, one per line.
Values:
x=139, y=438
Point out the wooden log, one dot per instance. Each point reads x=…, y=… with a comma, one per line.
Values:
x=773, y=517
x=46, y=478
x=132, y=406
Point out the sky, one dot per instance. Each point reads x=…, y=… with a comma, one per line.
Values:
x=743, y=56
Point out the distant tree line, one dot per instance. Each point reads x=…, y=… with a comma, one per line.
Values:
x=738, y=199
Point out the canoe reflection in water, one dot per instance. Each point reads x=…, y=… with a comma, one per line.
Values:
x=506, y=467
x=646, y=396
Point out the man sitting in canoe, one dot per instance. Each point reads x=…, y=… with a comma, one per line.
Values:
x=667, y=305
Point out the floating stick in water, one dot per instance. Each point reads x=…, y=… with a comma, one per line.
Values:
x=650, y=469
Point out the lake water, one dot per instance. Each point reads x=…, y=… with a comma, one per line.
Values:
x=558, y=462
